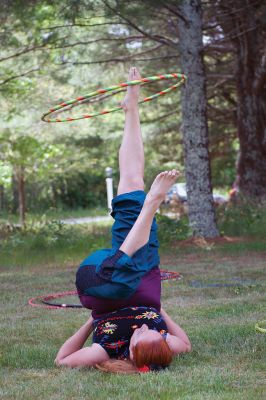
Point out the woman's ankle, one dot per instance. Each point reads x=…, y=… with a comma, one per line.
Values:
x=152, y=203
x=131, y=109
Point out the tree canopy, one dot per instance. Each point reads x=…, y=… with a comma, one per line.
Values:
x=53, y=51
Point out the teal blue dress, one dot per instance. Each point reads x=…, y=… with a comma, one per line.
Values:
x=110, y=273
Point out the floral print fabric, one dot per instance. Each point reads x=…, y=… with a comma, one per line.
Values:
x=113, y=331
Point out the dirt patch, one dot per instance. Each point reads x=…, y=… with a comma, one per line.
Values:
x=204, y=242
x=208, y=251
x=170, y=259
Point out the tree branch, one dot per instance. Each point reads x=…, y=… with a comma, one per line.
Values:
x=82, y=25
x=177, y=14
x=122, y=60
x=24, y=51
x=19, y=76
x=29, y=49
x=82, y=43
x=225, y=77
x=48, y=46
x=157, y=38
x=228, y=10
x=221, y=48
x=148, y=121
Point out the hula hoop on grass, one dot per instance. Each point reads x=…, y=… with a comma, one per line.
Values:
x=47, y=300
x=40, y=301
x=113, y=90
x=169, y=275
x=261, y=326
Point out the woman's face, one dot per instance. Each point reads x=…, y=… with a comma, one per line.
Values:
x=143, y=334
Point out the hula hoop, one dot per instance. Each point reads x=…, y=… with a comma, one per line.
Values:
x=169, y=275
x=46, y=301
x=261, y=326
x=113, y=90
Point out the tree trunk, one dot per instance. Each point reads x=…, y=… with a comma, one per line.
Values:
x=195, y=129
x=15, y=201
x=21, y=195
x=2, y=197
x=246, y=28
x=251, y=116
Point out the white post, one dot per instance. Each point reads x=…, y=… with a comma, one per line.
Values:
x=109, y=187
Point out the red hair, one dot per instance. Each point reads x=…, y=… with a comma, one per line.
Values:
x=156, y=352
x=145, y=354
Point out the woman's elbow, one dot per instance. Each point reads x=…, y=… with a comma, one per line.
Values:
x=57, y=362
x=60, y=362
x=188, y=347
x=185, y=348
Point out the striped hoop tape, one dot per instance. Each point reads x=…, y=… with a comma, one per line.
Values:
x=113, y=90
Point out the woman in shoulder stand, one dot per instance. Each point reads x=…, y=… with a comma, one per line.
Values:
x=122, y=286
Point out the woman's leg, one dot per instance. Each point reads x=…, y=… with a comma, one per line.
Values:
x=131, y=153
x=139, y=234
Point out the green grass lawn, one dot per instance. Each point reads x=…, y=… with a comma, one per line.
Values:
x=228, y=357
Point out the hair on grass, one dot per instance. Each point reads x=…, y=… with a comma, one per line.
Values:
x=114, y=366
x=145, y=354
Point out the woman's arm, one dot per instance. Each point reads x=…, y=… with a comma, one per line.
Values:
x=72, y=354
x=177, y=339
x=76, y=341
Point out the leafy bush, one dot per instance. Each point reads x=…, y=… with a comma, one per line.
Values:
x=170, y=230
x=242, y=220
x=52, y=241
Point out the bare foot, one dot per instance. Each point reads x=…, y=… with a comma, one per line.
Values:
x=160, y=187
x=131, y=99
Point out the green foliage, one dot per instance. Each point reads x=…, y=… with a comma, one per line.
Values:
x=170, y=230
x=47, y=234
x=51, y=240
x=244, y=219
x=54, y=236
x=5, y=174
x=55, y=51
x=83, y=191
